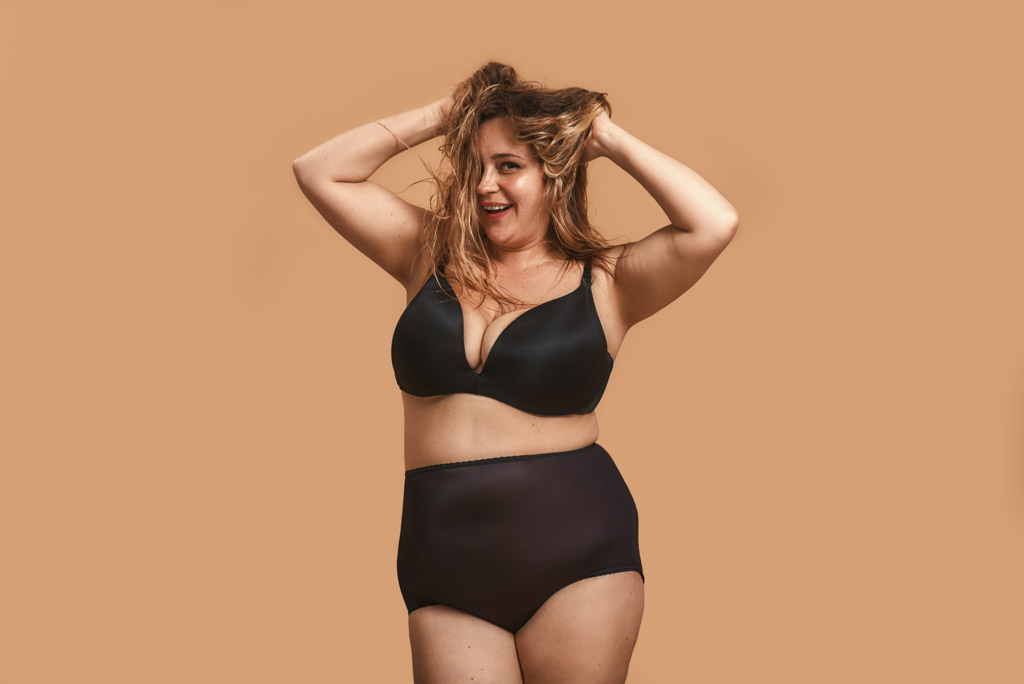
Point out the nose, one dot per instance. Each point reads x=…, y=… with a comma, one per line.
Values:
x=487, y=182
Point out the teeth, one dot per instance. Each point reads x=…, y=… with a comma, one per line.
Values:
x=493, y=209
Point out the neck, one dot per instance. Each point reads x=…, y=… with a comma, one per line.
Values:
x=525, y=258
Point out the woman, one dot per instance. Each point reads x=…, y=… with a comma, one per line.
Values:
x=518, y=557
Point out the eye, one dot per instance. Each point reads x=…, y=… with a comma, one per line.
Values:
x=508, y=165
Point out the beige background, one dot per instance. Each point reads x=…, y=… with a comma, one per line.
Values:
x=202, y=472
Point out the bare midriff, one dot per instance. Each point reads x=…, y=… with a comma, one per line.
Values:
x=466, y=427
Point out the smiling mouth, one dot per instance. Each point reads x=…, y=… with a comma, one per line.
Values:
x=497, y=208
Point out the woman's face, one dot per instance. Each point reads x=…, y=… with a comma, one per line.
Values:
x=512, y=175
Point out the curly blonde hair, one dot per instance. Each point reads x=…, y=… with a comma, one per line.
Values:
x=556, y=125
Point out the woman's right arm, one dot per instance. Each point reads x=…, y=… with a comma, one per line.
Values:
x=333, y=176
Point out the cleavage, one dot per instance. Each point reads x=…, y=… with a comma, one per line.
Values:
x=481, y=334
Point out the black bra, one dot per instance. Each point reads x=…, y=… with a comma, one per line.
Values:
x=551, y=360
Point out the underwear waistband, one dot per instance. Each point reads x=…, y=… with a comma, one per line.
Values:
x=502, y=459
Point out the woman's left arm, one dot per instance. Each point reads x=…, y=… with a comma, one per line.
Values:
x=654, y=271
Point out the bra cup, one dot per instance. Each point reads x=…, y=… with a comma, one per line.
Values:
x=540, y=372
x=427, y=348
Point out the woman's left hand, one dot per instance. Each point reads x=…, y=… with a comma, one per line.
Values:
x=597, y=142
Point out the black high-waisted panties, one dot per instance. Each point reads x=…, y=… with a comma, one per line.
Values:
x=496, y=537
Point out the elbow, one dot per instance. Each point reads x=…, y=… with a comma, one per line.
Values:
x=734, y=218
x=727, y=227
x=732, y=224
x=300, y=170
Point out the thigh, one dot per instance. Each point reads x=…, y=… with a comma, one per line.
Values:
x=450, y=646
x=584, y=633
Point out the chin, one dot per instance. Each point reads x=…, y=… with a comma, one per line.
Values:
x=501, y=238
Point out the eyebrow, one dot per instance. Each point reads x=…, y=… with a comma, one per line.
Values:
x=506, y=154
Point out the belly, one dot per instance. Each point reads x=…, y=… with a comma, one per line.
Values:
x=465, y=427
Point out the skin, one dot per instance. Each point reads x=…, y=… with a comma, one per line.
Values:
x=586, y=631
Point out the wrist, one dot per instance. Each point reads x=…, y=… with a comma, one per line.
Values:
x=433, y=117
x=609, y=137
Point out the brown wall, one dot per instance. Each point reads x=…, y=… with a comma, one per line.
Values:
x=202, y=469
